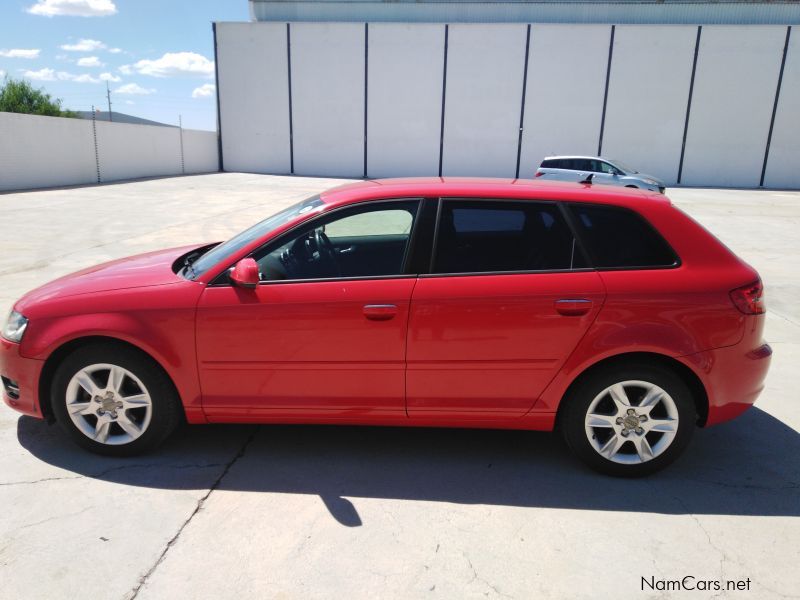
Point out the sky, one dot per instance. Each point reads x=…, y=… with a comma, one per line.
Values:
x=157, y=56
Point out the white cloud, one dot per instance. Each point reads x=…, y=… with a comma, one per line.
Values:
x=205, y=90
x=84, y=78
x=41, y=75
x=90, y=61
x=2, y=73
x=73, y=8
x=20, y=53
x=109, y=77
x=84, y=46
x=175, y=63
x=129, y=102
x=115, y=50
x=126, y=70
x=134, y=89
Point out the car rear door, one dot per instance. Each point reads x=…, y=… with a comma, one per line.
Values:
x=507, y=300
x=324, y=334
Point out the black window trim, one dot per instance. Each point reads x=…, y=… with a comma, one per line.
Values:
x=591, y=256
x=422, y=219
x=222, y=279
x=570, y=220
x=556, y=203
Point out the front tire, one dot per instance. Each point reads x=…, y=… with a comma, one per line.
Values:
x=114, y=400
x=629, y=420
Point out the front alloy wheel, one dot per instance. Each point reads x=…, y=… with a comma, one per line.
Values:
x=113, y=399
x=108, y=404
x=628, y=420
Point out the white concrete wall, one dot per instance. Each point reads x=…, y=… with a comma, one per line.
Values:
x=254, y=96
x=328, y=98
x=485, y=64
x=200, y=151
x=45, y=151
x=564, y=99
x=131, y=151
x=37, y=152
x=648, y=90
x=783, y=166
x=404, y=87
x=734, y=91
x=646, y=108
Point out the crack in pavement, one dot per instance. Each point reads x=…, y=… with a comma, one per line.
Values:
x=112, y=470
x=54, y=518
x=476, y=577
x=723, y=556
x=143, y=579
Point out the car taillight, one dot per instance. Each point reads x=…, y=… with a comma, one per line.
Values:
x=538, y=174
x=749, y=298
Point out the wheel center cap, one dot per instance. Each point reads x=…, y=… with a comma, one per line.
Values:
x=109, y=404
x=631, y=422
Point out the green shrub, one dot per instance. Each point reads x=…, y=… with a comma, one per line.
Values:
x=19, y=96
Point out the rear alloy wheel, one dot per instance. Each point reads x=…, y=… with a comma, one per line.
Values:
x=629, y=422
x=114, y=400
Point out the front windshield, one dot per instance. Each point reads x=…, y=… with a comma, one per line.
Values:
x=622, y=166
x=227, y=249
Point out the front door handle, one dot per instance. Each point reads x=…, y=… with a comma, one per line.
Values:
x=380, y=312
x=573, y=307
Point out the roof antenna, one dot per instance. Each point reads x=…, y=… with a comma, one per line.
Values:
x=588, y=179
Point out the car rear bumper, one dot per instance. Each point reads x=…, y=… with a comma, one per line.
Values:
x=20, y=379
x=733, y=377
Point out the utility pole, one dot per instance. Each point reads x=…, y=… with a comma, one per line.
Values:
x=108, y=95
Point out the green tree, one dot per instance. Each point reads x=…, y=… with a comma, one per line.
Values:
x=19, y=96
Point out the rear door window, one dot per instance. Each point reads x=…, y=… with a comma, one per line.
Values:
x=620, y=238
x=483, y=236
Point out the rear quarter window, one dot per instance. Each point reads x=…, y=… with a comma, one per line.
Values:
x=618, y=237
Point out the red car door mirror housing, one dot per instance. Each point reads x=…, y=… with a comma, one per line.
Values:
x=245, y=274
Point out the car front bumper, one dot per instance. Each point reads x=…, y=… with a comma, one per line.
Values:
x=20, y=379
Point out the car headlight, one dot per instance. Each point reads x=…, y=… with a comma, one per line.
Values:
x=15, y=327
x=650, y=181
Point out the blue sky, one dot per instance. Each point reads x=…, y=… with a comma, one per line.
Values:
x=157, y=55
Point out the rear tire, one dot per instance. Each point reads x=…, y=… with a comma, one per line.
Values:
x=114, y=400
x=629, y=420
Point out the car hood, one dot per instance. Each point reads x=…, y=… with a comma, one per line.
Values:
x=142, y=270
x=646, y=176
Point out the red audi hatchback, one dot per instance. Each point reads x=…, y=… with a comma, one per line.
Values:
x=605, y=313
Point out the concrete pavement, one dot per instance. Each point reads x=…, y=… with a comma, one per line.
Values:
x=315, y=512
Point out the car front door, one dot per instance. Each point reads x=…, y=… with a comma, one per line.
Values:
x=324, y=334
x=507, y=300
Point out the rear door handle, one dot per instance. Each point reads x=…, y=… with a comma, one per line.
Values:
x=380, y=312
x=573, y=307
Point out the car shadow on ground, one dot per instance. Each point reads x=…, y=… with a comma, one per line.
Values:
x=750, y=466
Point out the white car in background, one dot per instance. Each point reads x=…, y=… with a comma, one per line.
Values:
x=602, y=170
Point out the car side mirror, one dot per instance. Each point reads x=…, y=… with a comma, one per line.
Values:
x=245, y=274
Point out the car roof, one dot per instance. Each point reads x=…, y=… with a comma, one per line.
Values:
x=576, y=156
x=486, y=187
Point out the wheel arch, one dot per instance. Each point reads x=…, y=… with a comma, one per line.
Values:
x=58, y=355
x=689, y=377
